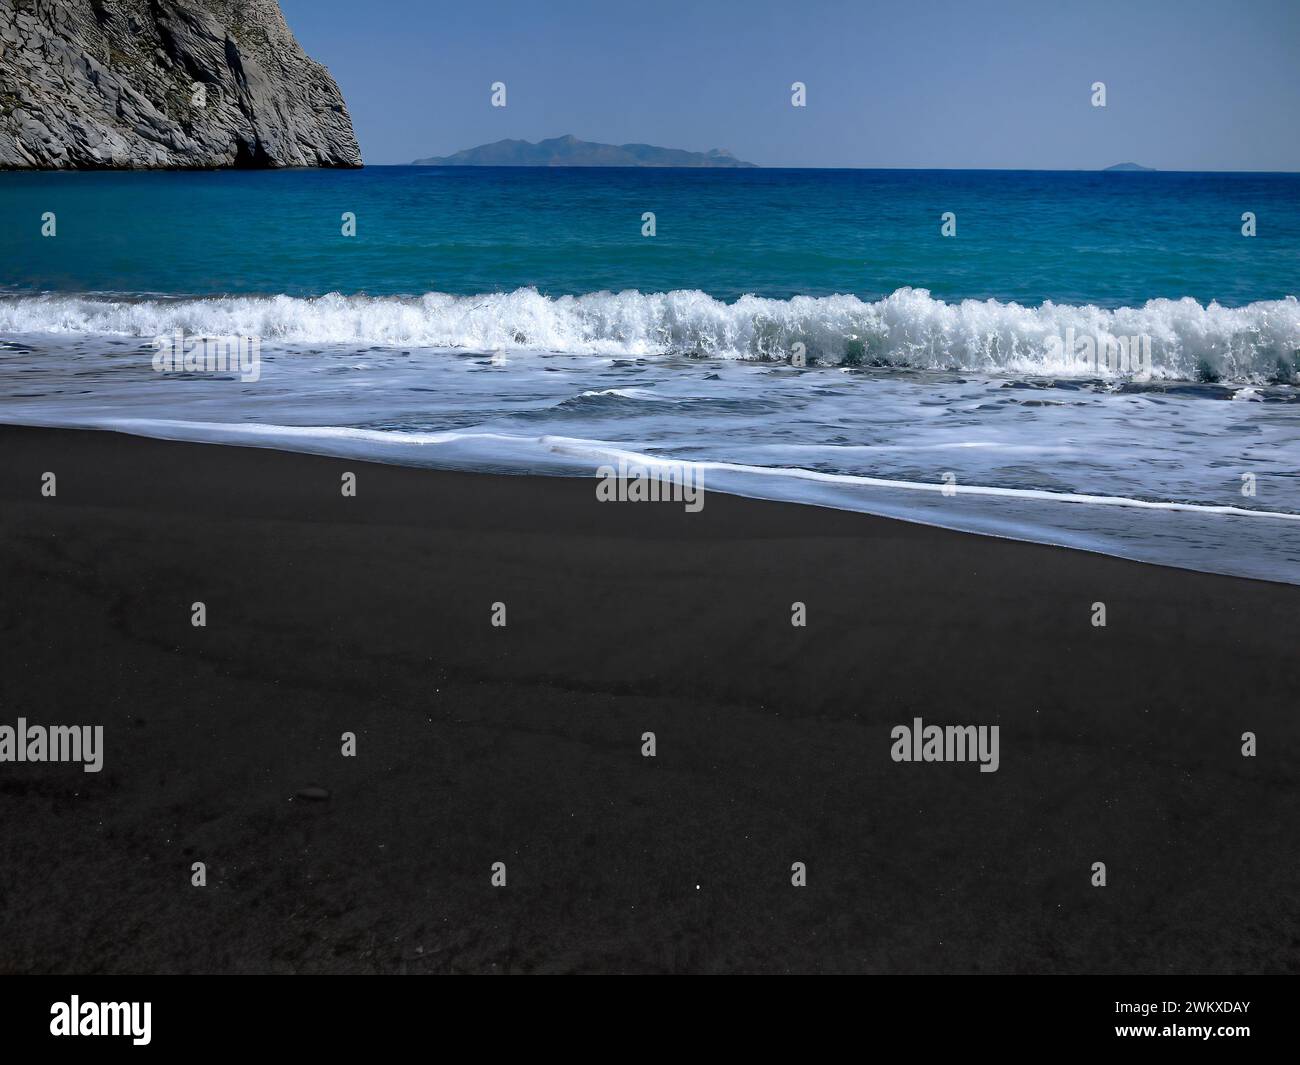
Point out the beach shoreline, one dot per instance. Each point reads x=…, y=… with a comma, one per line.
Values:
x=475, y=744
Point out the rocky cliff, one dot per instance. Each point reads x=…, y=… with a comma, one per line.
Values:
x=163, y=83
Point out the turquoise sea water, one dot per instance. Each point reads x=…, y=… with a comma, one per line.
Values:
x=519, y=320
x=1113, y=239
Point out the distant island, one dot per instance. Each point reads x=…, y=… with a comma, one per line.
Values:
x=1130, y=166
x=569, y=151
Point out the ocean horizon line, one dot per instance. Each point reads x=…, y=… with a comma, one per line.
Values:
x=773, y=167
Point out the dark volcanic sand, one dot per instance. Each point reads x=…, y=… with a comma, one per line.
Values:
x=522, y=744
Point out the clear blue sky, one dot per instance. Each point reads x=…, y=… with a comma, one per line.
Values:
x=1191, y=85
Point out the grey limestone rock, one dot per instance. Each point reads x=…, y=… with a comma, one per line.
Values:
x=88, y=84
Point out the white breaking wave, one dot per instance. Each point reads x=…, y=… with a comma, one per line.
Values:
x=1189, y=341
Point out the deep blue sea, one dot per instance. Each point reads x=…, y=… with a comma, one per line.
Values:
x=807, y=335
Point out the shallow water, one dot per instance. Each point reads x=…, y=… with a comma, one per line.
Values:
x=1150, y=472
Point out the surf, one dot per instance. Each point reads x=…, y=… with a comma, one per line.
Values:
x=910, y=329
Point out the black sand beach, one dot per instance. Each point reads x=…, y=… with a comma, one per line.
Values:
x=522, y=744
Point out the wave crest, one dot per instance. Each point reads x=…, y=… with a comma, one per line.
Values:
x=910, y=328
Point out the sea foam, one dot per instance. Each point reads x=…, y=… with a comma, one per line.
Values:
x=1256, y=343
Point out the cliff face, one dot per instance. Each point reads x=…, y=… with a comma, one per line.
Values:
x=163, y=83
